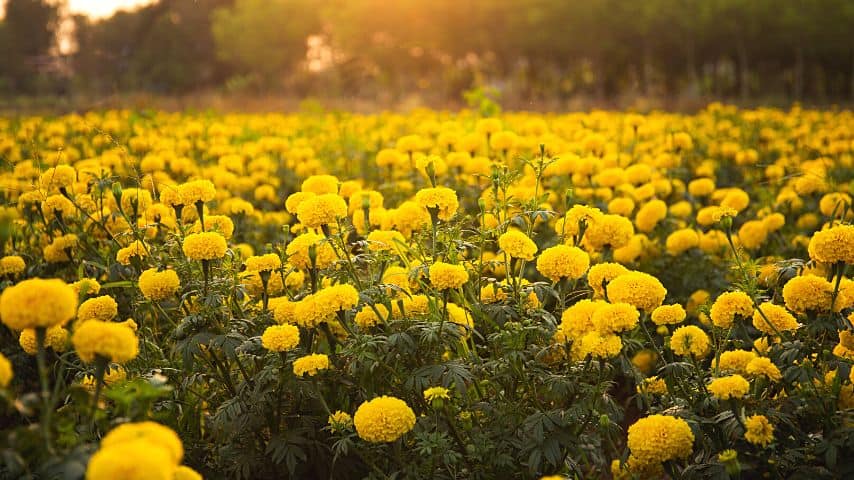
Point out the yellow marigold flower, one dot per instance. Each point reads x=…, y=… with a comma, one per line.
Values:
x=718, y=213
x=56, y=337
x=615, y=318
x=37, y=303
x=752, y=234
x=320, y=210
x=833, y=202
x=86, y=286
x=60, y=206
x=367, y=316
x=60, y=176
x=600, y=346
x=283, y=310
x=6, y=373
x=61, y=249
x=339, y=297
x=135, y=249
x=151, y=432
x=383, y=419
x=637, y=288
x=311, y=364
x=575, y=217
x=159, y=285
x=621, y=206
x=263, y=263
x=650, y=214
x=298, y=251
x=763, y=366
x=759, y=430
x=340, y=421
x=563, y=261
x=445, y=276
x=135, y=200
x=735, y=361
x=600, y=275
x=729, y=306
x=12, y=265
x=131, y=460
x=682, y=240
x=733, y=386
x=736, y=198
x=102, y=308
x=690, y=340
x=668, y=314
x=196, y=191
x=808, y=294
x=517, y=245
x=653, y=385
x=441, y=198
x=295, y=199
x=612, y=231
x=577, y=320
x=778, y=316
x=701, y=187
x=320, y=184
x=435, y=393
x=836, y=244
x=113, y=341
x=658, y=438
x=204, y=246
x=215, y=223
x=280, y=338
x=385, y=240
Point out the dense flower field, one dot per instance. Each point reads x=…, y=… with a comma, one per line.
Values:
x=431, y=295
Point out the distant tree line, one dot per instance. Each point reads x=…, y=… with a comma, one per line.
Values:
x=791, y=49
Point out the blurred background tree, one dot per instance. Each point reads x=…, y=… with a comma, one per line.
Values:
x=529, y=50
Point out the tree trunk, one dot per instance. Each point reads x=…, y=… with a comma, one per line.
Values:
x=744, y=74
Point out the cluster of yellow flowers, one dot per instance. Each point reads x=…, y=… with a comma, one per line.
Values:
x=653, y=240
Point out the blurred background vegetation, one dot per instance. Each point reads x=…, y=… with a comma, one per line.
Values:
x=533, y=53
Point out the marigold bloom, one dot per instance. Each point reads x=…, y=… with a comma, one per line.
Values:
x=321, y=210
x=298, y=251
x=690, y=340
x=131, y=460
x=136, y=249
x=611, y=231
x=196, y=191
x=658, y=438
x=601, y=274
x=735, y=361
x=615, y=318
x=639, y=289
x=682, y=240
x=383, y=419
x=37, y=303
x=563, y=261
x=204, y=246
x=779, y=318
x=103, y=308
x=668, y=314
x=441, y=198
x=159, y=285
x=836, y=244
x=600, y=346
x=280, y=338
x=113, y=341
x=517, y=245
x=764, y=367
x=310, y=364
x=263, y=263
x=444, y=276
x=151, y=432
x=733, y=386
x=12, y=265
x=759, y=430
x=6, y=373
x=434, y=393
x=808, y=294
x=320, y=184
x=729, y=306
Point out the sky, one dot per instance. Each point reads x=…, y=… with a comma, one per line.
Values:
x=102, y=8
